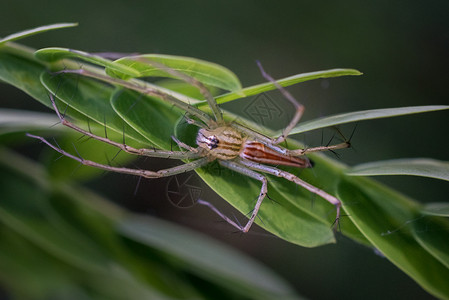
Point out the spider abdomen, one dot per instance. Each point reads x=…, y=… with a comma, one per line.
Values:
x=261, y=153
x=221, y=143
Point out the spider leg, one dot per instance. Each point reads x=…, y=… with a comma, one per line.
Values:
x=196, y=83
x=219, y=213
x=147, y=89
x=298, y=152
x=260, y=137
x=320, y=148
x=290, y=177
x=263, y=192
x=345, y=144
x=299, y=107
x=192, y=121
x=123, y=146
x=184, y=145
x=142, y=173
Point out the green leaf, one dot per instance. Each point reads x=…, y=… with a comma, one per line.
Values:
x=384, y=217
x=362, y=116
x=54, y=54
x=90, y=98
x=12, y=120
x=268, y=86
x=436, y=209
x=66, y=169
x=433, y=235
x=222, y=265
x=88, y=245
x=74, y=232
x=206, y=72
x=37, y=30
x=183, y=88
x=150, y=117
x=24, y=74
x=288, y=219
x=408, y=166
x=37, y=222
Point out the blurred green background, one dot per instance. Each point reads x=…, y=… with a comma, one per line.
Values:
x=400, y=46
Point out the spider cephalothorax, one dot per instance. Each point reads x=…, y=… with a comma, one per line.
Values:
x=221, y=143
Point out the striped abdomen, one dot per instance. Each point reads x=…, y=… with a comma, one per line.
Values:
x=260, y=153
x=222, y=143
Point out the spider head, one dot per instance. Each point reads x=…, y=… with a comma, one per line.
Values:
x=207, y=141
x=222, y=142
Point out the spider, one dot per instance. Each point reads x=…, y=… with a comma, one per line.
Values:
x=233, y=145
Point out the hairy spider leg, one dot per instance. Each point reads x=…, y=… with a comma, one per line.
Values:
x=320, y=149
x=298, y=106
x=142, y=173
x=267, y=141
x=263, y=192
x=141, y=151
x=194, y=82
x=290, y=177
x=147, y=89
x=298, y=114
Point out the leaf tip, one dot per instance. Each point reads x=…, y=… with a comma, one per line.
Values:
x=356, y=72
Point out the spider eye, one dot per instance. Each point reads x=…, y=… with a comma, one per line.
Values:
x=212, y=142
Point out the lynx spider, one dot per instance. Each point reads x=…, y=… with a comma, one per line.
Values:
x=233, y=145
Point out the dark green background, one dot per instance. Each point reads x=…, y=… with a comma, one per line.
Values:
x=401, y=46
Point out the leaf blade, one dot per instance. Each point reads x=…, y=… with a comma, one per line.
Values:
x=436, y=209
x=16, y=120
x=206, y=72
x=424, y=167
x=90, y=98
x=149, y=116
x=287, y=81
x=54, y=54
x=33, y=31
x=362, y=116
x=366, y=205
x=432, y=234
x=227, y=267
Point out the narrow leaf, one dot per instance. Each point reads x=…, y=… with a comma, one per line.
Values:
x=84, y=236
x=24, y=74
x=90, y=98
x=385, y=218
x=33, y=31
x=55, y=54
x=362, y=116
x=206, y=72
x=433, y=235
x=413, y=166
x=268, y=86
x=16, y=120
x=149, y=116
x=436, y=209
x=228, y=267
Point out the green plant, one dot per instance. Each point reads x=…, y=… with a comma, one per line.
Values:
x=421, y=256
